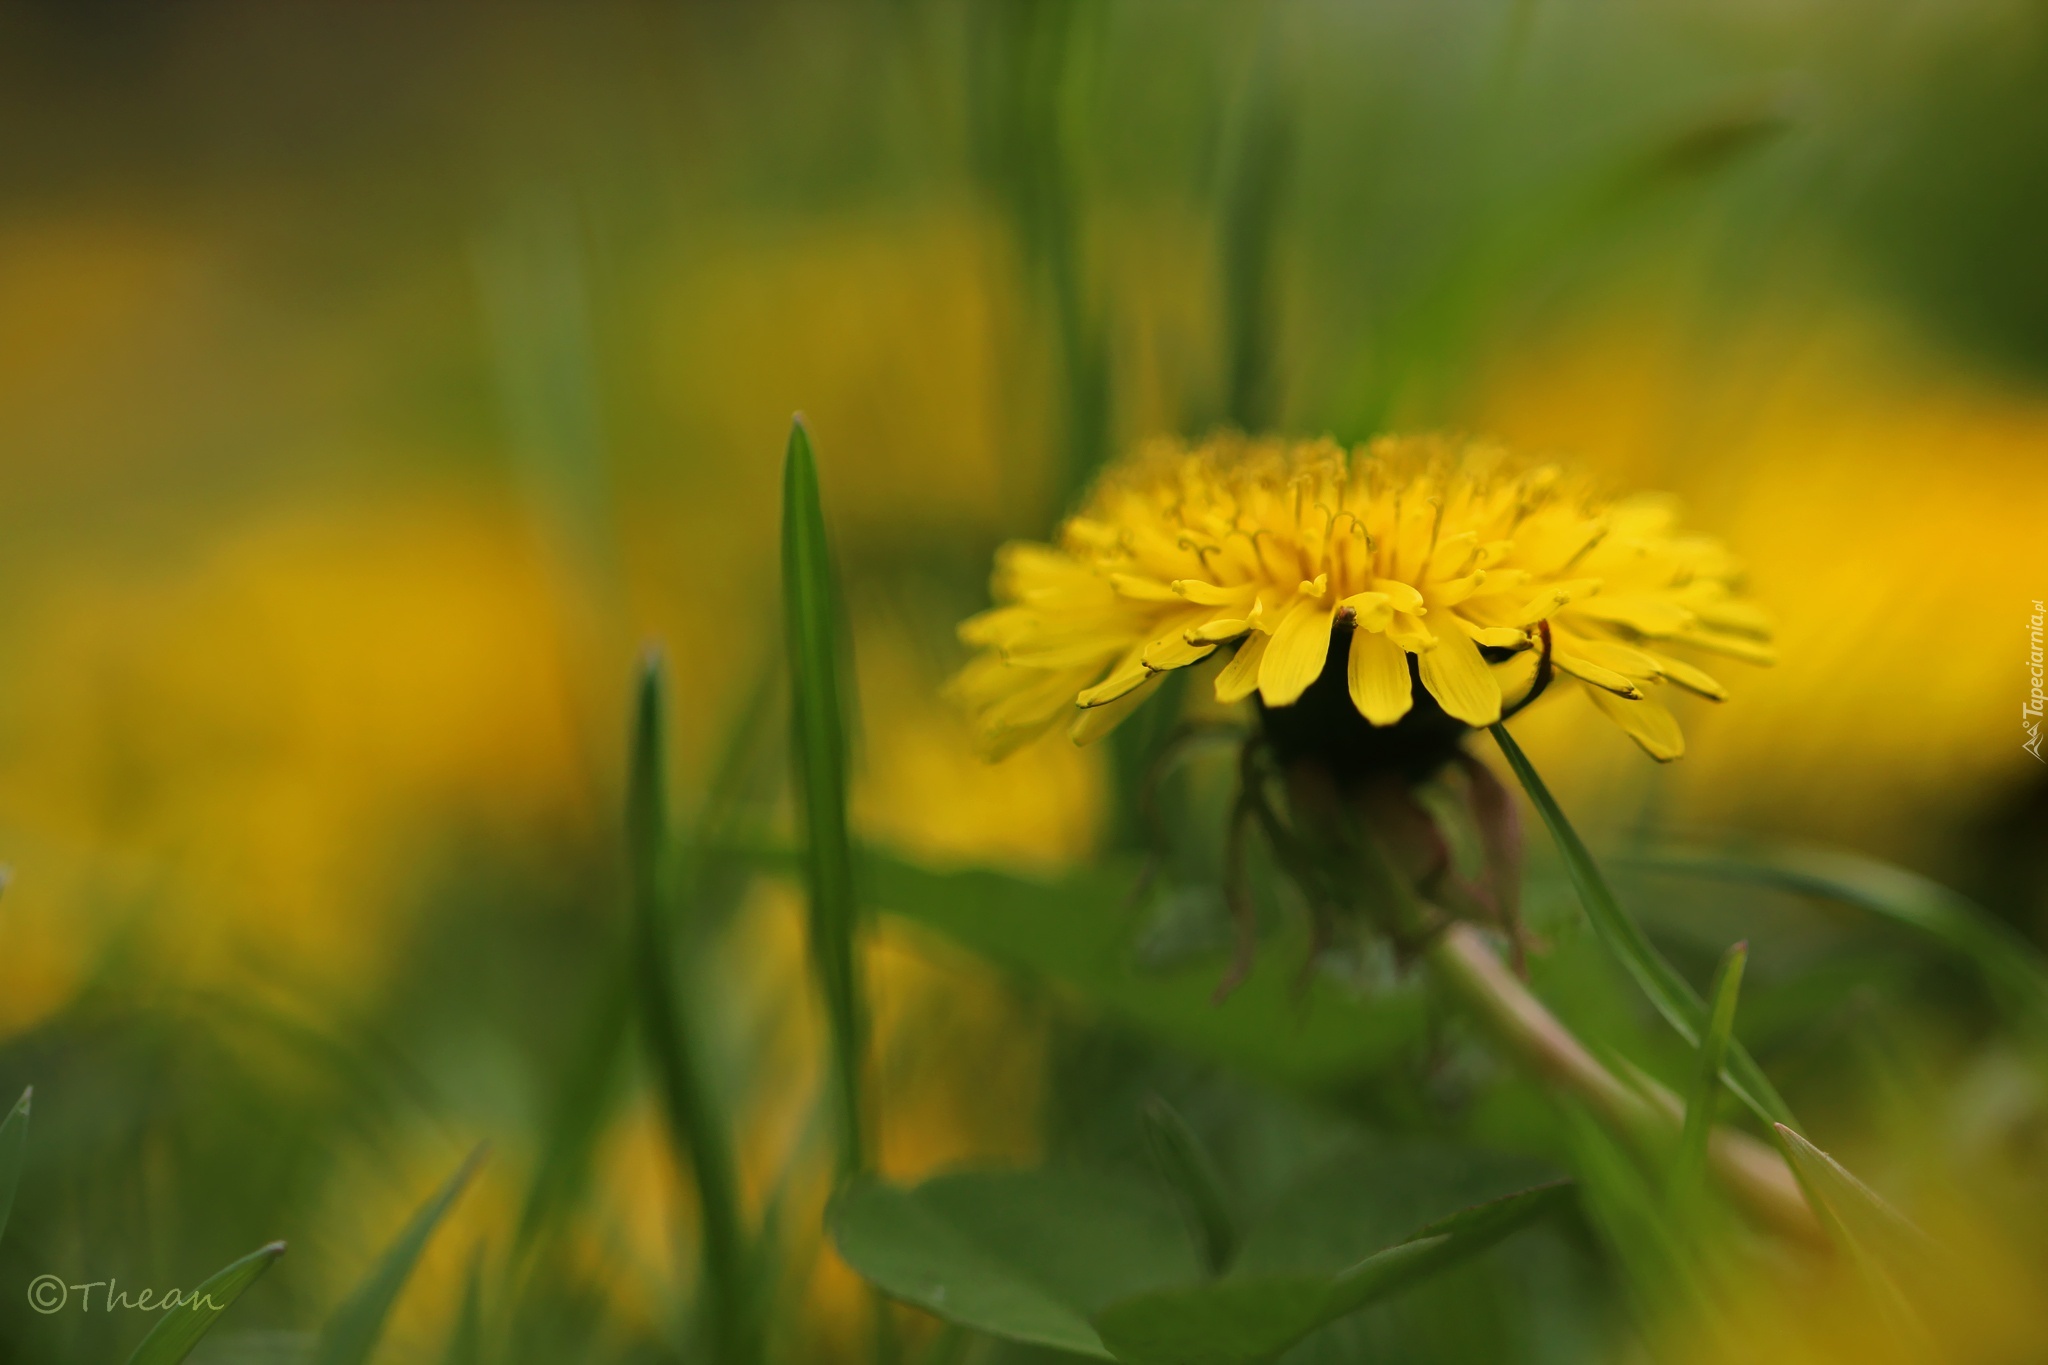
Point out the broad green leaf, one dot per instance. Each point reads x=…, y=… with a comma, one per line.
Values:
x=2013, y=966
x=1671, y=993
x=1690, y=1168
x=1025, y=1255
x=1190, y=1173
x=697, y=1130
x=179, y=1330
x=810, y=606
x=1239, y=1322
x=351, y=1331
x=13, y=1148
x=1077, y=931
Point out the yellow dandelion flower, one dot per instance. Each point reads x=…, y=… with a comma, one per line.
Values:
x=1336, y=581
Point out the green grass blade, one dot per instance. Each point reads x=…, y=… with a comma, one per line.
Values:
x=2014, y=968
x=1188, y=1170
x=700, y=1135
x=1883, y=1244
x=179, y=1330
x=1671, y=993
x=1690, y=1169
x=818, y=738
x=13, y=1149
x=466, y=1342
x=351, y=1331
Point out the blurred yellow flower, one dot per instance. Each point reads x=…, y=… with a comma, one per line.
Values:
x=1418, y=558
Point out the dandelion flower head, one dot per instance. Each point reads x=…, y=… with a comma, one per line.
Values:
x=1414, y=560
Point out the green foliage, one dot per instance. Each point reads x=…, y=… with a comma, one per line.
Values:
x=1246, y=1321
x=179, y=1330
x=811, y=605
x=351, y=1331
x=1691, y=1164
x=1671, y=993
x=1190, y=1172
x=13, y=1148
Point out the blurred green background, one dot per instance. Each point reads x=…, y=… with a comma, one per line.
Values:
x=375, y=380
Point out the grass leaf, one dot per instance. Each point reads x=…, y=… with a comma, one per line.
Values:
x=695, y=1126
x=13, y=1149
x=351, y=1331
x=1671, y=993
x=1239, y=1322
x=2014, y=967
x=1190, y=1173
x=179, y=1330
x=818, y=738
x=1691, y=1165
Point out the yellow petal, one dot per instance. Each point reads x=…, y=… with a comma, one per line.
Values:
x=1646, y=721
x=1494, y=637
x=1115, y=685
x=1300, y=647
x=1646, y=613
x=1096, y=722
x=1142, y=589
x=1371, y=610
x=1209, y=595
x=1240, y=677
x=1586, y=671
x=1404, y=597
x=1618, y=658
x=1318, y=588
x=1456, y=590
x=1175, y=651
x=1216, y=631
x=1409, y=633
x=1457, y=676
x=1378, y=673
x=1691, y=679
x=1547, y=603
x=1734, y=646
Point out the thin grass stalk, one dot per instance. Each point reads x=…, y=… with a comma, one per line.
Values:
x=818, y=741
x=695, y=1125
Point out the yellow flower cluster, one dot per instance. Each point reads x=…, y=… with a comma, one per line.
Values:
x=1412, y=558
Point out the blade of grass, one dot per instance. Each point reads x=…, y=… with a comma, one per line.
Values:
x=179, y=1330
x=1690, y=1169
x=1671, y=993
x=13, y=1148
x=351, y=1331
x=466, y=1342
x=1185, y=1165
x=818, y=738
x=699, y=1132
x=2013, y=966
x=1878, y=1240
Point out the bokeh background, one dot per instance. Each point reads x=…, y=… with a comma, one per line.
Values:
x=376, y=380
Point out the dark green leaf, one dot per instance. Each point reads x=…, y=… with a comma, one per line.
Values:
x=13, y=1148
x=351, y=1331
x=818, y=738
x=1026, y=1255
x=1671, y=993
x=1238, y=1322
x=1077, y=931
x=1691, y=1165
x=179, y=1330
x=1190, y=1173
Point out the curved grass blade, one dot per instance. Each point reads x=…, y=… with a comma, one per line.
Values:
x=351, y=1331
x=1188, y=1170
x=2014, y=967
x=1883, y=1244
x=179, y=1330
x=466, y=1342
x=1671, y=993
x=818, y=737
x=1689, y=1171
x=695, y=1125
x=1240, y=1322
x=13, y=1149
